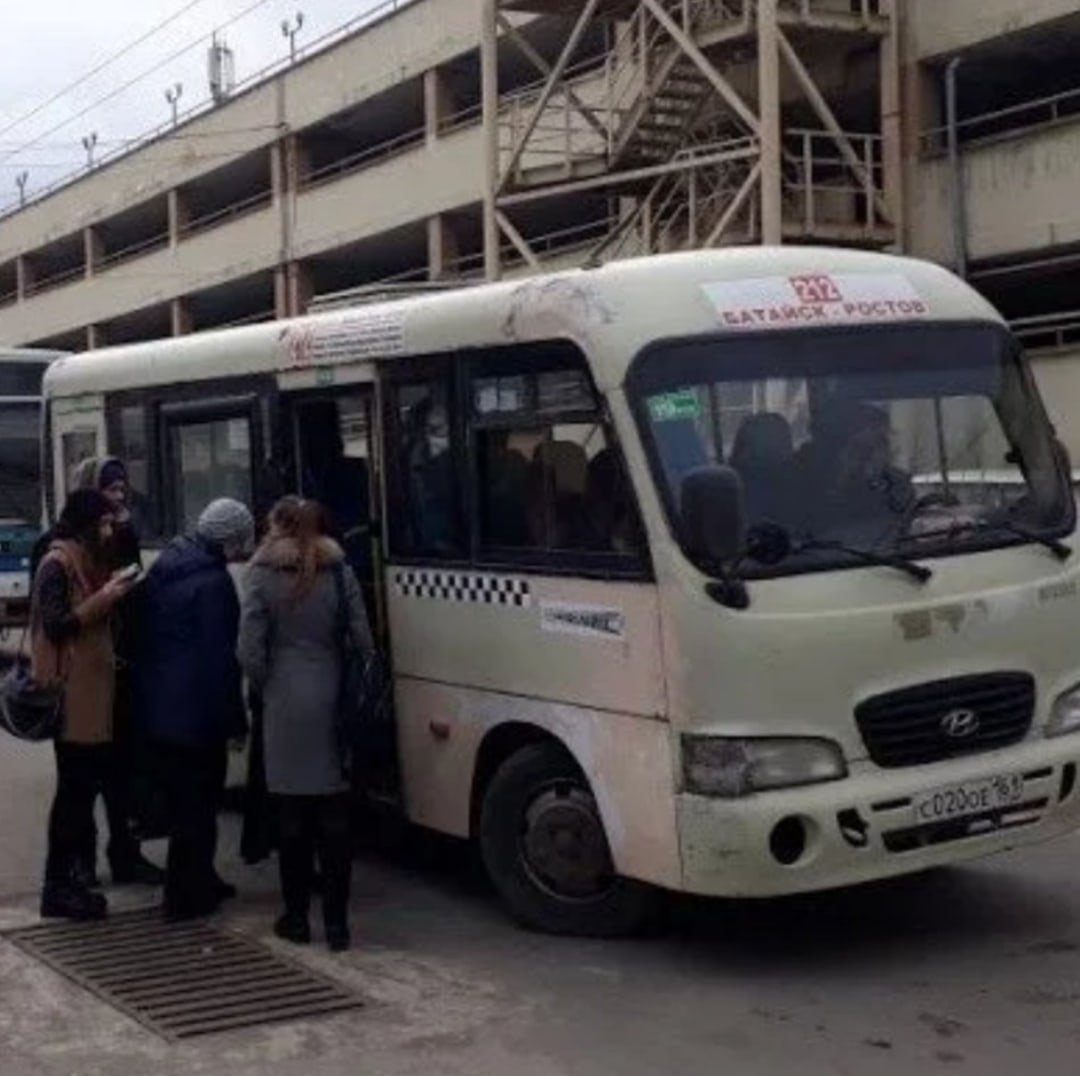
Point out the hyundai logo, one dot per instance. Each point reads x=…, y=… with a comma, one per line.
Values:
x=959, y=724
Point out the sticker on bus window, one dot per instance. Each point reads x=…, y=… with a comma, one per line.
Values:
x=780, y=302
x=675, y=406
x=595, y=621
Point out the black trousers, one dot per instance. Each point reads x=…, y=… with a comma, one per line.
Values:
x=308, y=825
x=194, y=785
x=82, y=773
x=117, y=788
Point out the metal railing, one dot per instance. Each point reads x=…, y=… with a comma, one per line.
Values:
x=1002, y=123
x=364, y=158
x=363, y=22
x=243, y=208
x=133, y=250
x=819, y=180
x=1048, y=332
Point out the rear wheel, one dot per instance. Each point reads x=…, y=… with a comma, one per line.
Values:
x=545, y=849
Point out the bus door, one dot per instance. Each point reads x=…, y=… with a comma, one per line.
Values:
x=335, y=460
x=334, y=463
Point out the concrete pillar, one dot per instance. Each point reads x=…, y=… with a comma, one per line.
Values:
x=489, y=76
x=443, y=247
x=772, y=208
x=892, y=145
x=299, y=288
x=281, y=292
x=297, y=162
x=94, y=247
x=95, y=337
x=179, y=216
x=180, y=317
x=24, y=276
x=438, y=102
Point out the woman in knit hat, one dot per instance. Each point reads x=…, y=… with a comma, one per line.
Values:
x=71, y=644
x=189, y=699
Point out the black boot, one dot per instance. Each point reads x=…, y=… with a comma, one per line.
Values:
x=85, y=875
x=293, y=927
x=337, y=937
x=72, y=901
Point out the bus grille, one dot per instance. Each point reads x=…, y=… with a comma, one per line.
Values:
x=947, y=718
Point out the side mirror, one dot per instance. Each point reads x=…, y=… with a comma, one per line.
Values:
x=714, y=514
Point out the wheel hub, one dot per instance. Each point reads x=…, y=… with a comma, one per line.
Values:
x=564, y=845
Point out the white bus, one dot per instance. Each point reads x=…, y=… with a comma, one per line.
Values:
x=21, y=374
x=671, y=596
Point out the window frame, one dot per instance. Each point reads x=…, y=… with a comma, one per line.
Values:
x=260, y=393
x=459, y=370
x=175, y=416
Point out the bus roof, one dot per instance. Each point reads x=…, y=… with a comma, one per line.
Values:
x=30, y=354
x=612, y=311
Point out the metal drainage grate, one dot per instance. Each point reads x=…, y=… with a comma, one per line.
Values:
x=183, y=979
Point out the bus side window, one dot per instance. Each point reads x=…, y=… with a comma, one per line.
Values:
x=76, y=447
x=427, y=519
x=549, y=479
x=211, y=458
x=130, y=441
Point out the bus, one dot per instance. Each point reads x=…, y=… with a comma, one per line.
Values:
x=673, y=590
x=21, y=504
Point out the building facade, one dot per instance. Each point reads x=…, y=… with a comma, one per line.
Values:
x=447, y=139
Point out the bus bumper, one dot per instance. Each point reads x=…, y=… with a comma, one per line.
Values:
x=866, y=827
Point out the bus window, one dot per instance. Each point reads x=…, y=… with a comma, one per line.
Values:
x=211, y=459
x=429, y=520
x=76, y=447
x=548, y=478
x=132, y=446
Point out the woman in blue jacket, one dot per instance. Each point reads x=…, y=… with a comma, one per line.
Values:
x=189, y=692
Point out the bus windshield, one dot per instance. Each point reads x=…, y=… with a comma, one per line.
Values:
x=20, y=462
x=904, y=441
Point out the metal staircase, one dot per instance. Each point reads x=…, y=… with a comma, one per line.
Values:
x=671, y=126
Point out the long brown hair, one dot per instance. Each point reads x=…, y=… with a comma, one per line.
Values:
x=303, y=522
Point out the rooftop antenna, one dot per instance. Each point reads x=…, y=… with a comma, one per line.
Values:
x=89, y=143
x=173, y=95
x=222, y=71
x=290, y=30
x=20, y=182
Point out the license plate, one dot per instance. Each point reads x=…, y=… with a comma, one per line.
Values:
x=971, y=797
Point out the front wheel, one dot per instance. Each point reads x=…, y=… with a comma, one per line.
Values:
x=545, y=849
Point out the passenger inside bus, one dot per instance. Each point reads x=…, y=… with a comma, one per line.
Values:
x=846, y=475
x=764, y=456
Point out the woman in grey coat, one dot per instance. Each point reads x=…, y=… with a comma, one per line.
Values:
x=291, y=649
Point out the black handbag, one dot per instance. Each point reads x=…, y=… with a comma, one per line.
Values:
x=29, y=710
x=362, y=691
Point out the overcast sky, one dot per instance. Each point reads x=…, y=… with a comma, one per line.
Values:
x=46, y=45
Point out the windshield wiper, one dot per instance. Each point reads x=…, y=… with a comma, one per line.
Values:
x=918, y=572
x=1060, y=550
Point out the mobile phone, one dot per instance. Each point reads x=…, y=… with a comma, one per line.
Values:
x=129, y=574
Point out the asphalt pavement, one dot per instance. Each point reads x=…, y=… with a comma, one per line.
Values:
x=966, y=970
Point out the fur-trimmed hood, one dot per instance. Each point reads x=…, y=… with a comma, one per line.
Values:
x=283, y=554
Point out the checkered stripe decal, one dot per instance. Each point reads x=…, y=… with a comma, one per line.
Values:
x=464, y=587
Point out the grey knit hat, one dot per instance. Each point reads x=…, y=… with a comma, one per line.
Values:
x=229, y=524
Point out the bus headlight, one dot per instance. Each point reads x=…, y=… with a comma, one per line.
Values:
x=718, y=766
x=1065, y=713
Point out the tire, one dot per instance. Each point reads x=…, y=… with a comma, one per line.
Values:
x=545, y=850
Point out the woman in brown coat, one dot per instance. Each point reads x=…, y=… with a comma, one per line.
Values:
x=71, y=643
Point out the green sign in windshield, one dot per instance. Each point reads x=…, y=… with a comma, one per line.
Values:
x=675, y=406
